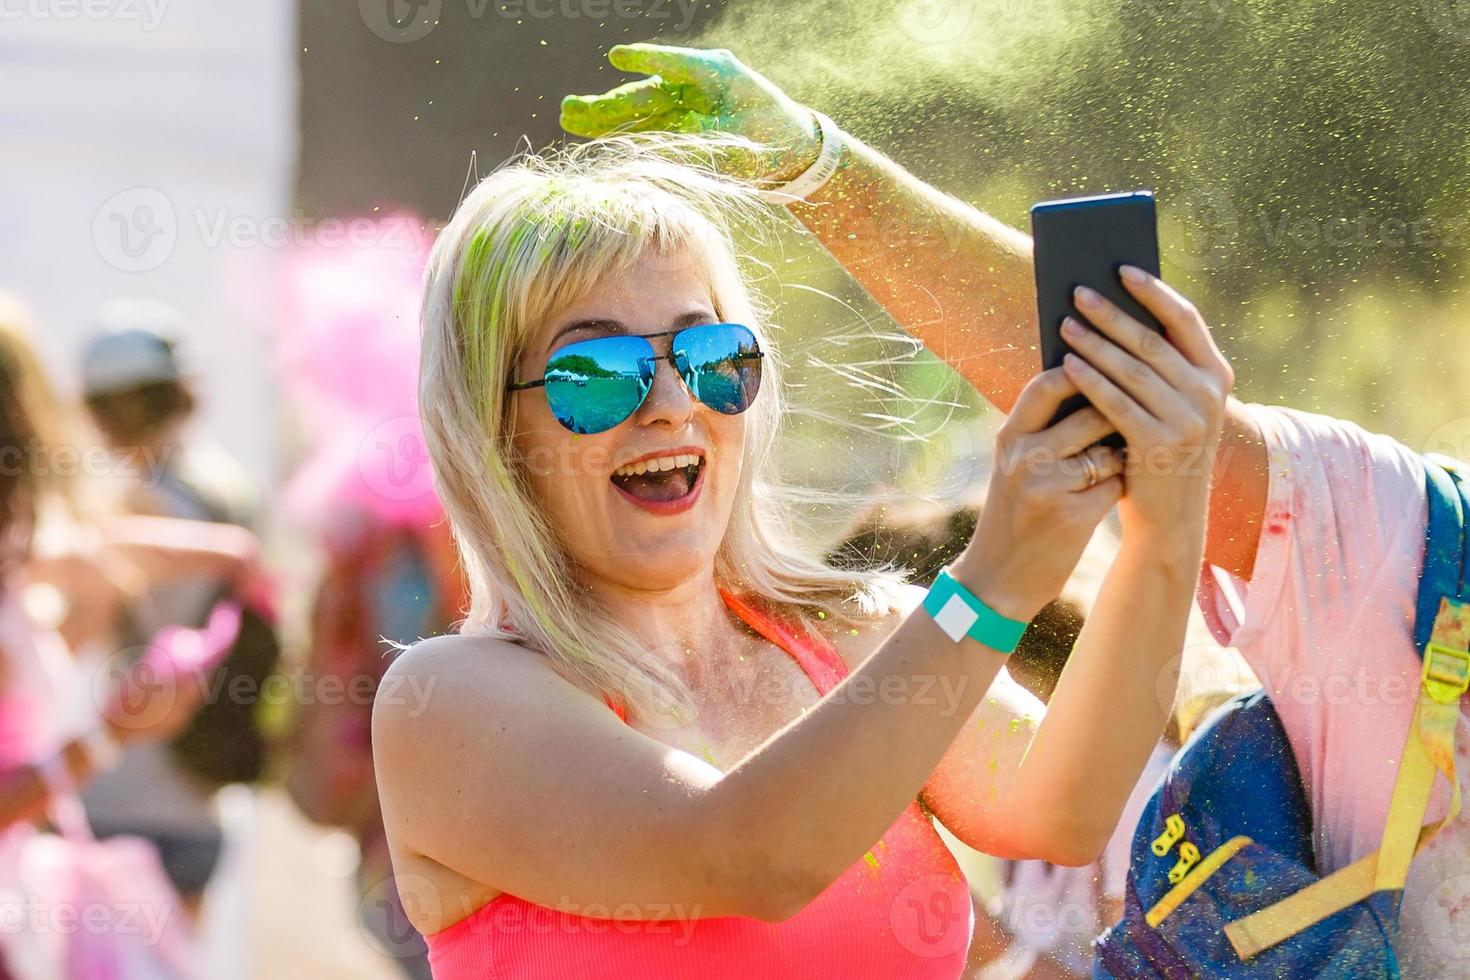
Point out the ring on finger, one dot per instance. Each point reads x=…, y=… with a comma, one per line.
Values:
x=1092, y=471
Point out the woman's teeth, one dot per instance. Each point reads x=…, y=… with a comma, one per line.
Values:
x=658, y=464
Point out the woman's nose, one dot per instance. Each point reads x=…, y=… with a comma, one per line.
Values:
x=669, y=400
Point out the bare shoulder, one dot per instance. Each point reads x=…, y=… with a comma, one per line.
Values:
x=458, y=658
x=856, y=645
x=438, y=684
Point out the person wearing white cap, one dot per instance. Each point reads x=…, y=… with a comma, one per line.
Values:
x=141, y=399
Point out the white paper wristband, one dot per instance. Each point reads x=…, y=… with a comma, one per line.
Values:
x=814, y=177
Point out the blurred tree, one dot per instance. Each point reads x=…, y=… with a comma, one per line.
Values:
x=1312, y=161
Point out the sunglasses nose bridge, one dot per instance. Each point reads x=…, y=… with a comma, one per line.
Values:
x=658, y=401
x=676, y=359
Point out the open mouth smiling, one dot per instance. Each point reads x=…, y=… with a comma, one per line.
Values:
x=662, y=482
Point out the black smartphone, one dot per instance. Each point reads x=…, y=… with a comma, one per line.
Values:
x=1083, y=241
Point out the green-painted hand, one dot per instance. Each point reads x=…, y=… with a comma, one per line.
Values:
x=691, y=90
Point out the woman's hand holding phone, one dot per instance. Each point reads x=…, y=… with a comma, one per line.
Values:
x=1050, y=486
x=1166, y=395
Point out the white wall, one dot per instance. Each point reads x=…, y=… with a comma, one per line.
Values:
x=158, y=120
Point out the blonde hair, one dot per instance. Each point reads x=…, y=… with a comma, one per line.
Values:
x=536, y=235
x=34, y=425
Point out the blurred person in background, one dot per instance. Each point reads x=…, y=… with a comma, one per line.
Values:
x=1037, y=919
x=67, y=569
x=347, y=357
x=142, y=400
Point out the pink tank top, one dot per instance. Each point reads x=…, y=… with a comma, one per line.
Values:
x=902, y=912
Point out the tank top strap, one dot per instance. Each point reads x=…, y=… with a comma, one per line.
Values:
x=814, y=653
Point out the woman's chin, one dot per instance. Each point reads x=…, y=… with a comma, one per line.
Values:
x=658, y=566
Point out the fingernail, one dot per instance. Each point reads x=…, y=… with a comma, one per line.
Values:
x=1086, y=297
x=1071, y=328
x=1073, y=361
x=1133, y=275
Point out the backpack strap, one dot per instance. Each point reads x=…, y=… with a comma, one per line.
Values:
x=1442, y=634
x=1446, y=547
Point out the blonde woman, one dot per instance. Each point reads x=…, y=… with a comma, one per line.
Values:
x=666, y=741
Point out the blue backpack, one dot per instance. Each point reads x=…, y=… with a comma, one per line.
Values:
x=1222, y=881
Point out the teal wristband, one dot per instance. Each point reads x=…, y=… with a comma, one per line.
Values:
x=960, y=613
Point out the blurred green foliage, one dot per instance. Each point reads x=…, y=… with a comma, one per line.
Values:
x=1312, y=159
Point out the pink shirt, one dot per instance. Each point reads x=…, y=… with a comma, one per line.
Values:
x=902, y=912
x=1327, y=624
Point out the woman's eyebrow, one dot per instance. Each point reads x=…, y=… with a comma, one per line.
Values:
x=694, y=317
x=601, y=325
x=604, y=325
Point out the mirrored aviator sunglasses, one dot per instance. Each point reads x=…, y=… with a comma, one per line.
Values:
x=594, y=385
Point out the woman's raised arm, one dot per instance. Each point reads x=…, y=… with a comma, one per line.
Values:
x=952, y=276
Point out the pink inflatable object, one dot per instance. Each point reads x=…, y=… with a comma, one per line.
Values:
x=347, y=351
x=178, y=650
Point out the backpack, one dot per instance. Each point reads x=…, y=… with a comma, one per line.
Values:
x=1222, y=880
